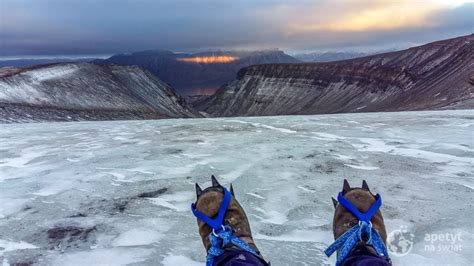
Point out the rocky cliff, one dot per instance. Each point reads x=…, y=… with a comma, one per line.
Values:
x=82, y=91
x=432, y=76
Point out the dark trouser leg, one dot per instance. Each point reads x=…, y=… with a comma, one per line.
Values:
x=364, y=258
x=238, y=258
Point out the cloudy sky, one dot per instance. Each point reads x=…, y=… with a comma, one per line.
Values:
x=91, y=27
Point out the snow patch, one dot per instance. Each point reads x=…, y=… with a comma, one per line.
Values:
x=137, y=237
x=343, y=157
x=362, y=167
x=296, y=236
x=283, y=130
x=373, y=145
x=329, y=136
x=54, y=72
x=6, y=246
x=113, y=256
x=275, y=217
x=306, y=189
x=280, y=129
x=11, y=206
x=178, y=201
x=255, y=195
x=237, y=172
x=164, y=203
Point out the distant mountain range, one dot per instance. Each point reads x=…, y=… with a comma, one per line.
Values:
x=83, y=91
x=32, y=61
x=434, y=76
x=198, y=73
x=329, y=56
x=429, y=77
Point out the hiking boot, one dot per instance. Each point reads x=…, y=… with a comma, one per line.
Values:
x=208, y=202
x=344, y=220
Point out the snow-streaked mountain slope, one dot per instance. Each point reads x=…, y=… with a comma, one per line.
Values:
x=81, y=91
x=428, y=77
x=72, y=193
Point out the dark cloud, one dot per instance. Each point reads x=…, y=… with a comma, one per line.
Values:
x=56, y=27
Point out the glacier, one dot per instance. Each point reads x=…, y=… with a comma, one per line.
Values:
x=119, y=192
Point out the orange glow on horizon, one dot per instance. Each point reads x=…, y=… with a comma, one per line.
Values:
x=214, y=59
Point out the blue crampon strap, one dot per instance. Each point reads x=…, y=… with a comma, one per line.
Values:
x=217, y=222
x=367, y=216
x=221, y=235
x=349, y=239
x=346, y=242
x=222, y=238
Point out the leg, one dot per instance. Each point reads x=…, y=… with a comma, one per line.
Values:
x=238, y=258
x=365, y=259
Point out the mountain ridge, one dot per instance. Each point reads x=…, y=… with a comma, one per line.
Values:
x=84, y=91
x=431, y=76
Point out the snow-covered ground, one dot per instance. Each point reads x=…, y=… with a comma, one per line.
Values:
x=71, y=193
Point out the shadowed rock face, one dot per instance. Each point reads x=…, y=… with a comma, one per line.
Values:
x=82, y=91
x=432, y=76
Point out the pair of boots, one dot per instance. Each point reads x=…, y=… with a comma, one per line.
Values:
x=235, y=227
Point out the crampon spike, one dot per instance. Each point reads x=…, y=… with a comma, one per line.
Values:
x=232, y=190
x=198, y=190
x=215, y=183
x=334, y=202
x=365, y=186
x=346, y=187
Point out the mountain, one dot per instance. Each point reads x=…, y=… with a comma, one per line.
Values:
x=198, y=73
x=83, y=91
x=433, y=76
x=41, y=61
x=328, y=56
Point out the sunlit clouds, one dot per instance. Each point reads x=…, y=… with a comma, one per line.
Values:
x=368, y=15
x=53, y=27
x=387, y=17
x=217, y=59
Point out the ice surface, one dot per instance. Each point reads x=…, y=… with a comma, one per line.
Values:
x=110, y=256
x=6, y=246
x=117, y=193
x=173, y=260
